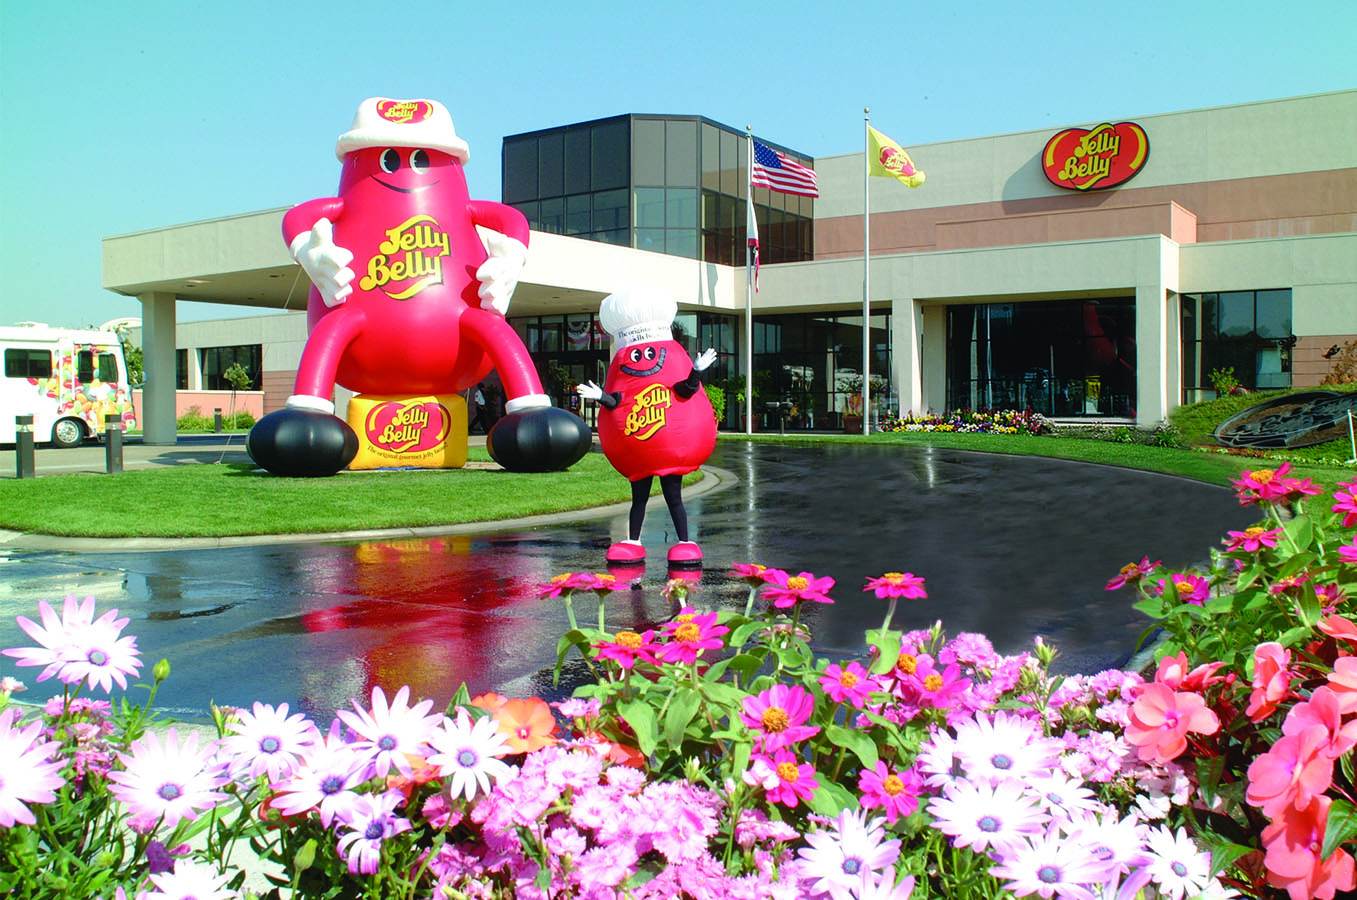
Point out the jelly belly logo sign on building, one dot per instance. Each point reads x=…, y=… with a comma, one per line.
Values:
x=424, y=432
x=1083, y=159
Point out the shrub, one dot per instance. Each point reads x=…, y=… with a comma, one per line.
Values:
x=1224, y=381
x=194, y=422
x=717, y=396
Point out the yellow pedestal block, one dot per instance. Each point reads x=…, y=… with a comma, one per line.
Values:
x=425, y=432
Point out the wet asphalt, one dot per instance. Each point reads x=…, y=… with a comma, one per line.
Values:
x=1010, y=546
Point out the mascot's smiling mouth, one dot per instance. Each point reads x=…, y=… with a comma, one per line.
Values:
x=413, y=190
x=641, y=373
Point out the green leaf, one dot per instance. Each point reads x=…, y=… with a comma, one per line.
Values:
x=861, y=745
x=1150, y=606
x=1209, y=769
x=1293, y=636
x=888, y=643
x=739, y=757
x=1248, y=577
x=746, y=664
x=830, y=799
x=641, y=718
x=1342, y=827
x=740, y=636
x=572, y=638
x=681, y=711
x=1224, y=852
x=1301, y=531
x=1310, y=610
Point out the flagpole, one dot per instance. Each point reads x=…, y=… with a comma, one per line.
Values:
x=749, y=286
x=866, y=275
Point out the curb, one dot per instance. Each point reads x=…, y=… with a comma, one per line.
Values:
x=713, y=479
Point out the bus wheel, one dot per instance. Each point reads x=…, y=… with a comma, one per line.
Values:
x=68, y=433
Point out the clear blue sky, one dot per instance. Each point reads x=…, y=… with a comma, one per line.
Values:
x=130, y=115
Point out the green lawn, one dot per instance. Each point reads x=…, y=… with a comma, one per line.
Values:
x=1209, y=467
x=219, y=500
x=1198, y=422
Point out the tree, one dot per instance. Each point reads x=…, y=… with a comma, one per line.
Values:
x=134, y=358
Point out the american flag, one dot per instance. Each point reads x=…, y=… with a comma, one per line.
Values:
x=779, y=172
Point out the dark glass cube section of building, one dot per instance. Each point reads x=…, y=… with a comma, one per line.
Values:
x=668, y=184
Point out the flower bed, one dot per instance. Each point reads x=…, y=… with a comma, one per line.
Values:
x=971, y=421
x=715, y=756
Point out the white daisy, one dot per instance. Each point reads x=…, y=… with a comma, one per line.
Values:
x=1178, y=867
x=28, y=772
x=467, y=754
x=841, y=857
x=390, y=732
x=981, y=816
x=191, y=881
x=268, y=741
x=1005, y=747
x=1063, y=796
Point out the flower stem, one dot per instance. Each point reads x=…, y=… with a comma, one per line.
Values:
x=749, y=604
x=570, y=611
x=601, y=612
x=890, y=614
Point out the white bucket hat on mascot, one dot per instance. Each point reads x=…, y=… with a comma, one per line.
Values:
x=382, y=122
x=638, y=316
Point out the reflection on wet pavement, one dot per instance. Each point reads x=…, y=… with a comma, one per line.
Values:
x=1011, y=546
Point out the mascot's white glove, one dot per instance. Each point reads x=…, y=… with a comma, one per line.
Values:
x=704, y=361
x=589, y=391
x=325, y=262
x=499, y=274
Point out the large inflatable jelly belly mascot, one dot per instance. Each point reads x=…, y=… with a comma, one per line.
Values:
x=423, y=314
x=656, y=419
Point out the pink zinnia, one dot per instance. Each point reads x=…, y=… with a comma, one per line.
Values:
x=690, y=633
x=30, y=769
x=894, y=585
x=894, y=791
x=566, y=583
x=1292, y=773
x=1131, y=573
x=753, y=573
x=782, y=778
x=1293, y=860
x=932, y=688
x=1347, y=502
x=1161, y=719
x=1190, y=588
x=1348, y=552
x=1272, y=486
x=778, y=715
x=851, y=683
x=627, y=647
x=1271, y=680
x=1252, y=539
x=785, y=591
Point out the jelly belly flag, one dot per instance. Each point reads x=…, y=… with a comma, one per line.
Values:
x=890, y=160
x=406, y=299
x=655, y=419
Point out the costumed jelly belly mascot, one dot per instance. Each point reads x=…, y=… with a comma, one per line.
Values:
x=656, y=418
x=424, y=312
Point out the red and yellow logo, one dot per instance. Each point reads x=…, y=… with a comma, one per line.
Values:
x=404, y=112
x=407, y=427
x=410, y=259
x=1080, y=159
x=648, y=412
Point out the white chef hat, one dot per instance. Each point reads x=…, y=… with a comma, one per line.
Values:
x=381, y=122
x=638, y=315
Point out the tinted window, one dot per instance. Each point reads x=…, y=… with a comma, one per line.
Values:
x=551, y=165
x=647, y=152
x=108, y=367
x=25, y=363
x=609, y=156
x=84, y=366
x=680, y=153
x=577, y=214
x=520, y=170
x=577, y=160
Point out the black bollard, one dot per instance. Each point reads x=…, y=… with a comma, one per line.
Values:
x=216, y=419
x=113, y=444
x=24, y=466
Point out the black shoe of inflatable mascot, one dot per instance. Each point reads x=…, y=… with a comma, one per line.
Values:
x=544, y=439
x=301, y=443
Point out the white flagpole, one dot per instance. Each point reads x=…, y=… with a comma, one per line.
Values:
x=749, y=286
x=866, y=275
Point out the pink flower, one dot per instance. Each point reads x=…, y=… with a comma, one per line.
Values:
x=1339, y=628
x=850, y=683
x=369, y=822
x=782, y=778
x=1271, y=680
x=1161, y=719
x=1347, y=502
x=894, y=791
x=1295, y=771
x=1132, y=573
x=30, y=769
x=754, y=574
x=1292, y=843
x=1348, y=552
x=1289, y=583
x=627, y=647
x=895, y=585
x=166, y=780
x=1187, y=587
x=785, y=591
x=1343, y=680
x=391, y=732
x=1272, y=486
x=933, y=689
x=269, y=741
x=778, y=716
x=77, y=647
x=1324, y=709
x=1252, y=539
x=566, y=583
x=1173, y=671
x=690, y=633
x=1330, y=596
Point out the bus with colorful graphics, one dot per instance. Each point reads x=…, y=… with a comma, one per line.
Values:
x=67, y=379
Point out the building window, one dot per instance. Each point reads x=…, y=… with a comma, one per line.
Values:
x=1063, y=358
x=1248, y=332
x=814, y=362
x=28, y=363
x=216, y=360
x=181, y=370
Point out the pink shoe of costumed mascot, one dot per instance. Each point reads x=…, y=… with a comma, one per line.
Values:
x=424, y=314
x=655, y=417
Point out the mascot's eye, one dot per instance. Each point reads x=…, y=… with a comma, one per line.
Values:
x=635, y=355
x=419, y=160
x=391, y=160
x=650, y=353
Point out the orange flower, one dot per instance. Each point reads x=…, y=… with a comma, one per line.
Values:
x=489, y=701
x=421, y=773
x=526, y=724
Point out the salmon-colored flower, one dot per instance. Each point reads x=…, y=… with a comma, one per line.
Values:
x=1339, y=628
x=1173, y=671
x=1161, y=720
x=1293, y=773
x=1325, y=710
x=1271, y=680
x=1293, y=861
x=489, y=701
x=527, y=724
x=1343, y=680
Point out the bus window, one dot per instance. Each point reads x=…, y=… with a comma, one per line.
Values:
x=28, y=363
x=108, y=368
x=84, y=366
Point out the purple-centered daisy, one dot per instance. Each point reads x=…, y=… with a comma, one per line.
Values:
x=28, y=772
x=390, y=731
x=1050, y=865
x=324, y=780
x=76, y=647
x=1004, y=747
x=164, y=780
x=190, y=881
x=467, y=754
x=839, y=858
x=267, y=741
x=366, y=824
x=979, y=816
x=778, y=716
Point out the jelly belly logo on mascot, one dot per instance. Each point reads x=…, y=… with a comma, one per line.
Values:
x=1079, y=159
x=647, y=414
x=407, y=427
x=411, y=282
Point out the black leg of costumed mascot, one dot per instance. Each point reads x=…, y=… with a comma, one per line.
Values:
x=655, y=419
